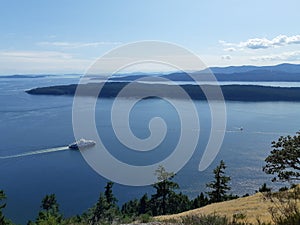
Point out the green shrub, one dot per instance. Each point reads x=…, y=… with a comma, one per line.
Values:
x=205, y=220
x=145, y=218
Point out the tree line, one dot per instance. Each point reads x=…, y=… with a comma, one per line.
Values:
x=165, y=200
x=283, y=162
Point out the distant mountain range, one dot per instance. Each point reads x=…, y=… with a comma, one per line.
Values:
x=282, y=72
x=24, y=76
x=16, y=76
x=285, y=67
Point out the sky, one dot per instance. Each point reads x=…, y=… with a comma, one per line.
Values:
x=67, y=36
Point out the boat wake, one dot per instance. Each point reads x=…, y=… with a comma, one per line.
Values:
x=242, y=130
x=49, y=150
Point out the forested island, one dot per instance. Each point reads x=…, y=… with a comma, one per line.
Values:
x=230, y=92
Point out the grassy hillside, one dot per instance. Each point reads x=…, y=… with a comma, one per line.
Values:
x=253, y=207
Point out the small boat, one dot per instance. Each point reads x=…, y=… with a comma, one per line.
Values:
x=241, y=128
x=81, y=144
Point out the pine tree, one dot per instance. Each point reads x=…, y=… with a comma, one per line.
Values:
x=284, y=159
x=110, y=198
x=50, y=211
x=164, y=189
x=100, y=210
x=178, y=203
x=131, y=208
x=106, y=208
x=200, y=201
x=50, y=204
x=144, y=205
x=219, y=186
x=264, y=188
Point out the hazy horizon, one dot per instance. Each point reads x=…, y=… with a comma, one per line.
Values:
x=52, y=37
x=144, y=72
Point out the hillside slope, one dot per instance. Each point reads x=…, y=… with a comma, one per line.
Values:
x=253, y=207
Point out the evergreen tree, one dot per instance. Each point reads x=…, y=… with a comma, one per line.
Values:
x=144, y=207
x=110, y=198
x=219, y=186
x=131, y=208
x=200, y=201
x=100, y=210
x=49, y=213
x=178, y=203
x=50, y=204
x=264, y=188
x=284, y=159
x=106, y=209
x=164, y=189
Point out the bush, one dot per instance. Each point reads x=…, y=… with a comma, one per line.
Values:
x=264, y=188
x=145, y=218
x=283, y=189
x=238, y=219
x=285, y=209
x=204, y=220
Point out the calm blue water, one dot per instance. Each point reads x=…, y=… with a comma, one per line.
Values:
x=33, y=123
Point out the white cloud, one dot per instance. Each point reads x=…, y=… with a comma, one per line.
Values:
x=256, y=43
x=222, y=42
x=35, y=54
x=77, y=44
x=231, y=49
x=226, y=57
x=23, y=62
x=286, y=56
x=263, y=43
x=41, y=62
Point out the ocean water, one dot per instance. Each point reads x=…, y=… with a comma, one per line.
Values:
x=35, y=130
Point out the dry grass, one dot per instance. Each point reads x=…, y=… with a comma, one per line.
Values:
x=253, y=207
